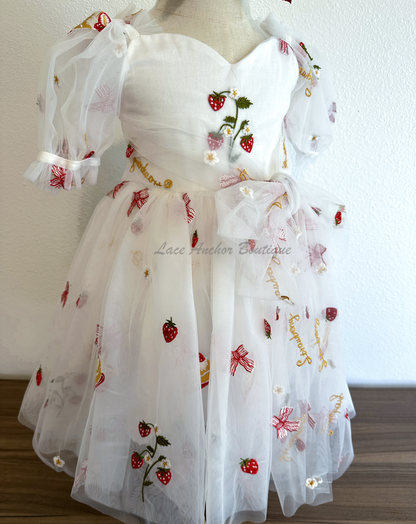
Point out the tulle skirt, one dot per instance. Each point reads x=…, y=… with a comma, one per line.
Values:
x=195, y=359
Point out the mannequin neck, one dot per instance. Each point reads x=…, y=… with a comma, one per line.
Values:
x=218, y=11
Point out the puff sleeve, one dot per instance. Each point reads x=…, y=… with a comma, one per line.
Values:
x=78, y=103
x=310, y=117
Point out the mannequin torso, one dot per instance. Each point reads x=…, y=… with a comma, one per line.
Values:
x=224, y=25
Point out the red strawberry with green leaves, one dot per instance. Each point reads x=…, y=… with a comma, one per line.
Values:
x=249, y=466
x=136, y=461
x=216, y=100
x=129, y=151
x=89, y=155
x=164, y=475
x=338, y=218
x=268, y=329
x=169, y=330
x=39, y=376
x=144, y=429
x=215, y=140
x=277, y=312
x=247, y=143
x=195, y=238
x=331, y=313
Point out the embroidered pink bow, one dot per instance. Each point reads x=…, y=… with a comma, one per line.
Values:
x=304, y=408
x=239, y=356
x=284, y=47
x=282, y=424
x=190, y=213
x=139, y=199
x=82, y=473
x=315, y=253
x=59, y=173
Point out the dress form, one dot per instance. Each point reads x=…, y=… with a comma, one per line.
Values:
x=224, y=25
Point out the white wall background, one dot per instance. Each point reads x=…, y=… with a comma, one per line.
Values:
x=371, y=167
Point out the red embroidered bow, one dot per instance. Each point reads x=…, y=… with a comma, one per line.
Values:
x=304, y=408
x=59, y=173
x=82, y=472
x=282, y=424
x=139, y=199
x=239, y=356
x=190, y=213
x=284, y=47
x=315, y=253
x=116, y=189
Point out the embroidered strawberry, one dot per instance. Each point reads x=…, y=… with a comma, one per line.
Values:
x=89, y=155
x=216, y=100
x=164, y=475
x=347, y=415
x=249, y=466
x=129, y=151
x=306, y=312
x=268, y=329
x=100, y=380
x=144, y=429
x=331, y=313
x=136, y=461
x=103, y=20
x=39, y=376
x=247, y=143
x=64, y=296
x=169, y=330
x=195, y=238
x=251, y=245
x=277, y=312
x=215, y=140
x=82, y=299
x=338, y=218
x=300, y=445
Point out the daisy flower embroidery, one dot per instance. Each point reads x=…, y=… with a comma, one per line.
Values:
x=147, y=458
x=234, y=94
x=107, y=98
x=166, y=464
x=294, y=269
x=247, y=192
x=120, y=49
x=278, y=390
x=211, y=158
x=311, y=483
x=157, y=429
x=228, y=131
x=321, y=269
x=59, y=463
x=246, y=131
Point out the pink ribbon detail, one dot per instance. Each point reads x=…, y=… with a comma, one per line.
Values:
x=239, y=356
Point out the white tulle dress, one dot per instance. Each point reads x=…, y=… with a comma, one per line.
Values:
x=195, y=359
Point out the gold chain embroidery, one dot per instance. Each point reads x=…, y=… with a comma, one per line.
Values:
x=273, y=280
x=167, y=183
x=318, y=343
x=300, y=345
x=335, y=410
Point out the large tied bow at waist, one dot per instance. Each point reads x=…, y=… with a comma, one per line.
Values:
x=277, y=236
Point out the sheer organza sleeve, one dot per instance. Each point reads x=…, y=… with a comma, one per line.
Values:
x=309, y=121
x=79, y=98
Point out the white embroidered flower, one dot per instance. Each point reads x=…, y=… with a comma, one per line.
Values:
x=147, y=458
x=228, y=131
x=278, y=390
x=211, y=158
x=203, y=365
x=234, y=94
x=321, y=269
x=166, y=464
x=318, y=480
x=298, y=232
x=247, y=192
x=247, y=131
x=157, y=429
x=311, y=483
x=294, y=269
x=120, y=49
x=58, y=461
